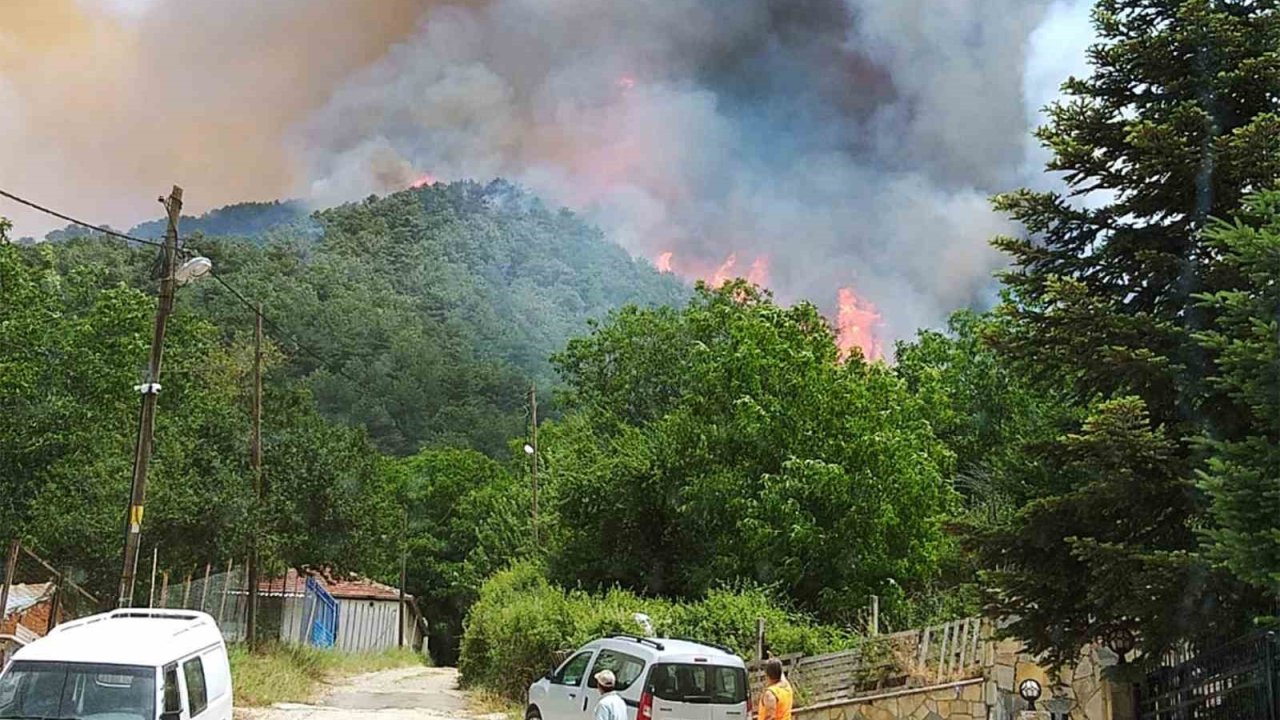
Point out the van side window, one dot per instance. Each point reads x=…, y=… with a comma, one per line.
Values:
x=197, y=694
x=572, y=672
x=172, y=700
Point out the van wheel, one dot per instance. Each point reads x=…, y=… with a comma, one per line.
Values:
x=533, y=714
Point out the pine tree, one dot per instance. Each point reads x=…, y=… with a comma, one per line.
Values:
x=1177, y=122
x=1243, y=472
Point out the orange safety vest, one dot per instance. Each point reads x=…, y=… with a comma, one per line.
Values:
x=785, y=696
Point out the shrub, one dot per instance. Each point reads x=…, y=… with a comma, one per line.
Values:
x=521, y=620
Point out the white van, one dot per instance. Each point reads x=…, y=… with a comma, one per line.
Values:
x=658, y=678
x=134, y=664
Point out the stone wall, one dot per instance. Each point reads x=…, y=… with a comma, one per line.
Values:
x=1078, y=692
x=952, y=701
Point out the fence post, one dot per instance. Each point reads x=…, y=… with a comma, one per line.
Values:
x=204, y=589
x=55, y=604
x=875, y=614
x=164, y=589
x=759, y=639
x=186, y=591
x=942, y=651
x=1268, y=641
x=226, y=585
x=10, y=568
x=151, y=593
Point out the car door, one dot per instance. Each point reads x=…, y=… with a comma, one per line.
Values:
x=565, y=694
x=728, y=693
x=627, y=670
x=681, y=691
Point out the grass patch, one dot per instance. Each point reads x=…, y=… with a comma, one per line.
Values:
x=290, y=673
x=487, y=702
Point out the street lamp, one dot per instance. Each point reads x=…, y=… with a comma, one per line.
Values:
x=1030, y=691
x=193, y=269
x=1121, y=642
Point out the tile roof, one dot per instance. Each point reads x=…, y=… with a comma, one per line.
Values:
x=352, y=587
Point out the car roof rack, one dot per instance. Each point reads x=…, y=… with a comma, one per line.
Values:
x=717, y=646
x=635, y=638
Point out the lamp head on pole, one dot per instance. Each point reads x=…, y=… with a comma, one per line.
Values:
x=193, y=269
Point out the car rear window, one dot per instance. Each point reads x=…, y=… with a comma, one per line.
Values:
x=699, y=683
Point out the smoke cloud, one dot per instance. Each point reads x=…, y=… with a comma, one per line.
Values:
x=840, y=142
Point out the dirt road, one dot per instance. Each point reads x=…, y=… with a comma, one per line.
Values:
x=402, y=694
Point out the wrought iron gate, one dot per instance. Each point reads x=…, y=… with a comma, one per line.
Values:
x=1236, y=681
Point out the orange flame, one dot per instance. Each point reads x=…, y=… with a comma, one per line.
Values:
x=759, y=272
x=724, y=273
x=425, y=180
x=856, y=323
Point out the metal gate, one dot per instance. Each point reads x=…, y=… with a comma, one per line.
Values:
x=1236, y=681
x=324, y=615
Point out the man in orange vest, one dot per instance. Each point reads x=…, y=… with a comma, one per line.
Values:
x=776, y=700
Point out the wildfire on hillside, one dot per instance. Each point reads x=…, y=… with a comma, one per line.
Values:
x=856, y=323
x=423, y=181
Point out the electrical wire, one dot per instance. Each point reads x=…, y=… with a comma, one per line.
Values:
x=73, y=221
x=280, y=334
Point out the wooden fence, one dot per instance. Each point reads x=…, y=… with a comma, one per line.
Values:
x=914, y=658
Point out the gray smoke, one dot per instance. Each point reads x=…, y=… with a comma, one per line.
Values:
x=842, y=142
x=851, y=143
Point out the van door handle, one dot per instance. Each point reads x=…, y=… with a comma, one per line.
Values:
x=584, y=703
x=573, y=695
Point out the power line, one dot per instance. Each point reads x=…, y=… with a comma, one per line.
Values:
x=73, y=221
x=279, y=333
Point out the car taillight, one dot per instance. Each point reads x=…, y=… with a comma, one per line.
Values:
x=646, y=706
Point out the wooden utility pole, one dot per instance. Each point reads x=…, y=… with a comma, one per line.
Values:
x=150, y=392
x=404, y=560
x=533, y=411
x=255, y=457
x=10, y=569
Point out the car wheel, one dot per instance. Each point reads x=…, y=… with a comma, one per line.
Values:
x=532, y=713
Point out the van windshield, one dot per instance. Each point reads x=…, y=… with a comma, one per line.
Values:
x=699, y=683
x=77, y=691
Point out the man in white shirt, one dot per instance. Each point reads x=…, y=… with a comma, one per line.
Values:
x=611, y=705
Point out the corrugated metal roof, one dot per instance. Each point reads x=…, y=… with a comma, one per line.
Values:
x=23, y=596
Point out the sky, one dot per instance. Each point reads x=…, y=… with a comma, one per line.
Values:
x=830, y=148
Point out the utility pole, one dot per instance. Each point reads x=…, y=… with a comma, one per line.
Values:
x=533, y=410
x=404, y=561
x=150, y=391
x=255, y=457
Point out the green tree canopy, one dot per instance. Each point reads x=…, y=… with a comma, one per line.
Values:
x=1241, y=475
x=726, y=441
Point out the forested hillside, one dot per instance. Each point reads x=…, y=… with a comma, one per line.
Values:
x=431, y=311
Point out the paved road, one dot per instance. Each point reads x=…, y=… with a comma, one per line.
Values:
x=402, y=694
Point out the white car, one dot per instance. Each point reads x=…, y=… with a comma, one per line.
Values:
x=122, y=665
x=659, y=678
